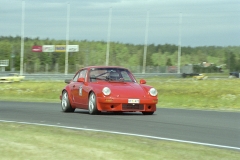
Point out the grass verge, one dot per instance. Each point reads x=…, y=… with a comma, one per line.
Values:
x=20, y=141
x=219, y=94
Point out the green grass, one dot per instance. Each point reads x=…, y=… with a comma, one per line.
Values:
x=19, y=141
x=219, y=94
x=32, y=91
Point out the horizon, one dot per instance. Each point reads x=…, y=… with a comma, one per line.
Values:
x=42, y=39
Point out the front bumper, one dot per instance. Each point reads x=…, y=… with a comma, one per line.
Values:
x=122, y=105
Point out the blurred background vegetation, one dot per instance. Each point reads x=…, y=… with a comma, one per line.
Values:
x=127, y=55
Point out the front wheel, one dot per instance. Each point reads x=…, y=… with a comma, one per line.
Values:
x=66, y=106
x=92, y=104
x=147, y=113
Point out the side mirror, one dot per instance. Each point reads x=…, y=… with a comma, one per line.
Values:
x=142, y=81
x=81, y=80
x=67, y=81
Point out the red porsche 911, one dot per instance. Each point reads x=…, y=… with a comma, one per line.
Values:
x=108, y=89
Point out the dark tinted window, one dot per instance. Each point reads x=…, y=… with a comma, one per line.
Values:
x=114, y=74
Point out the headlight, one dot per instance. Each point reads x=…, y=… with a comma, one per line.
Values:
x=153, y=92
x=106, y=91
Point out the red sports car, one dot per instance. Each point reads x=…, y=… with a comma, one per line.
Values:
x=108, y=89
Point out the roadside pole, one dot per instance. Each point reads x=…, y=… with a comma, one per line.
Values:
x=109, y=35
x=179, y=42
x=22, y=39
x=67, y=40
x=145, y=44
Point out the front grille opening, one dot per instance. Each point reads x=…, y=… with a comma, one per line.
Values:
x=132, y=106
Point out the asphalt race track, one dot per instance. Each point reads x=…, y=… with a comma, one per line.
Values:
x=207, y=127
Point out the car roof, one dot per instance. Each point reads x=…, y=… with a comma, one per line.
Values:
x=89, y=67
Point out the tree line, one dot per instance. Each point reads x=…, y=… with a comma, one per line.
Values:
x=120, y=54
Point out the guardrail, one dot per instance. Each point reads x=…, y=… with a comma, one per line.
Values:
x=62, y=77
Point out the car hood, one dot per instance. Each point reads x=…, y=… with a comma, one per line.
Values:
x=129, y=90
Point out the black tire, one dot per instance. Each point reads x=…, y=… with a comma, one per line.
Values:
x=66, y=106
x=147, y=113
x=92, y=105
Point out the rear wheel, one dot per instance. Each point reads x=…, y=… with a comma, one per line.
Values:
x=147, y=113
x=66, y=106
x=92, y=104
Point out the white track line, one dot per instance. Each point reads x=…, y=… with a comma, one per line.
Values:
x=122, y=133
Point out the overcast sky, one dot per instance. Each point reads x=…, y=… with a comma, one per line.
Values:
x=204, y=22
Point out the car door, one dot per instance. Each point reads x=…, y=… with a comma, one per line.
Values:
x=79, y=90
x=85, y=89
x=73, y=89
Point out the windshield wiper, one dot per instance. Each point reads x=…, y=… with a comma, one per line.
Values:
x=101, y=74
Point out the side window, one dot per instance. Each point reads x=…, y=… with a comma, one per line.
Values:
x=80, y=74
x=76, y=77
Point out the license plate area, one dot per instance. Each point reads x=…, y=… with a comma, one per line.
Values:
x=132, y=107
x=133, y=101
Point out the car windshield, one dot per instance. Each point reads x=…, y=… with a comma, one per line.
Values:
x=111, y=74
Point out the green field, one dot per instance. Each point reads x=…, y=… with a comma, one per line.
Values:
x=20, y=141
x=219, y=94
